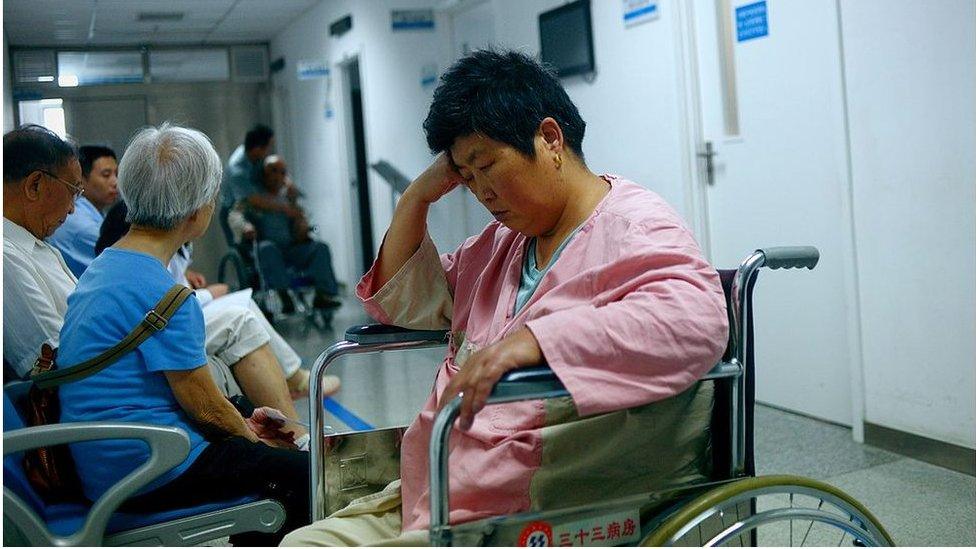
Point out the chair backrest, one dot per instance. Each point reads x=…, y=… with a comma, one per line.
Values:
x=14, y=477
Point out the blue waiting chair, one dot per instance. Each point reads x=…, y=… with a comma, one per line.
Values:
x=28, y=520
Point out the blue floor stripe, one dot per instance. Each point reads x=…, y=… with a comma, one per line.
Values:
x=344, y=415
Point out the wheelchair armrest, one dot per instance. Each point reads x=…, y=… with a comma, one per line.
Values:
x=527, y=383
x=369, y=334
x=168, y=447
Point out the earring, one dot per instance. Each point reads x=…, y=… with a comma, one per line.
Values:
x=559, y=161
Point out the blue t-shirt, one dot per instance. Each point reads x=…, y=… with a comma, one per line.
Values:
x=112, y=297
x=531, y=274
x=76, y=237
x=242, y=178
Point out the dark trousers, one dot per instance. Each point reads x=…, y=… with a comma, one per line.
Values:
x=314, y=258
x=235, y=467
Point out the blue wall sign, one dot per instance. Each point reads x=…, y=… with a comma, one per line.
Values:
x=638, y=11
x=401, y=20
x=428, y=75
x=751, y=21
x=312, y=69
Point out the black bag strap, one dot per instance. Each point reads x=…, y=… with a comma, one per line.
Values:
x=155, y=320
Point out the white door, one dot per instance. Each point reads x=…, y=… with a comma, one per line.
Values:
x=781, y=178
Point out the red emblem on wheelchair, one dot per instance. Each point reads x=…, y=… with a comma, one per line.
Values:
x=536, y=534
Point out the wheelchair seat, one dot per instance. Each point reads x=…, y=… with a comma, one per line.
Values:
x=170, y=527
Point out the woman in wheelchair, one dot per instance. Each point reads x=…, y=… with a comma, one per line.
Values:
x=170, y=178
x=591, y=274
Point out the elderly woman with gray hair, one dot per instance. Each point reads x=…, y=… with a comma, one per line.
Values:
x=170, y=178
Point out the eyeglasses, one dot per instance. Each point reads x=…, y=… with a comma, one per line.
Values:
x=76, y=190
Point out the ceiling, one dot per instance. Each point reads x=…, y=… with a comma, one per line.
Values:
x=136, y=22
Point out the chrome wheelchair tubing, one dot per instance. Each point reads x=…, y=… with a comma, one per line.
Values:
x=724, y=370
x=440, y=531
x=744, y=276
x=316, y=418
x=440, y=507
x=785, y=257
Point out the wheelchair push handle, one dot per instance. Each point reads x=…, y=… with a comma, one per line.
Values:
x=791, y=257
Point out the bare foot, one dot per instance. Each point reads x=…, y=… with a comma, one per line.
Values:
x=330, y=385
x=298, y=384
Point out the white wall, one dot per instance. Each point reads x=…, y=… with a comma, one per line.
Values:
x=631, y=109
x=910, y=89
x=911, y=82
x=394, y=104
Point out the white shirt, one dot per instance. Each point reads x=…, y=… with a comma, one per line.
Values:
x=36, y=284
x=177, y=268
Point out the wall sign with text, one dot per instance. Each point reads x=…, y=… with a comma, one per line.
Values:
x=751, y=21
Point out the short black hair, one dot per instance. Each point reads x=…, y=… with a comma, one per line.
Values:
x=30, y=148
x=503, y=95
x=88, y=154
x=258, y=136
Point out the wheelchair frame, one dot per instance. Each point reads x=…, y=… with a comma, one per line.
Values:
x=541, y=383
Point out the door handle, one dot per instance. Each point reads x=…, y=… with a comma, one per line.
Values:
x=708, y=154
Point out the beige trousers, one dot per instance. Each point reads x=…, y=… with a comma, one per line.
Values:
x=234, y=332
x=373, y=520
x=287, y=357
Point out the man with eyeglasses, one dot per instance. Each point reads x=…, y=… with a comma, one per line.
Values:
x=77, y=237
x=41, y=180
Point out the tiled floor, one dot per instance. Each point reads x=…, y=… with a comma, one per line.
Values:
x=920, y=504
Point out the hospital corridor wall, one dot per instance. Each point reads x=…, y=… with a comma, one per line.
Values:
x=908, y=313
x=111, y=114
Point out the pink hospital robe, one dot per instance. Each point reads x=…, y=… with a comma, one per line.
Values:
x=629, y=314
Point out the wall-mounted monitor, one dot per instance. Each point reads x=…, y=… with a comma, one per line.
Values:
x=566, y=34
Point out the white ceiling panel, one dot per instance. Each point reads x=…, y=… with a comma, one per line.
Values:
x=117, y=22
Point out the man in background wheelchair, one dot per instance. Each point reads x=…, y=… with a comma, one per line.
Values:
x=591, y=274
x=263, y=210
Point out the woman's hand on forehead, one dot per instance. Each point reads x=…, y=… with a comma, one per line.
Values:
x=437, y=180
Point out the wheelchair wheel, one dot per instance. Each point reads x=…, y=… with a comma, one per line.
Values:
x=240, y=277
x=776, y=510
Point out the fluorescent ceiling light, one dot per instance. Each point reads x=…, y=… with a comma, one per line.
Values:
x=67, y=80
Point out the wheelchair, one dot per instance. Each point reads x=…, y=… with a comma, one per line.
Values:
x=29, y=520
x=240, y=268
x=732, y=507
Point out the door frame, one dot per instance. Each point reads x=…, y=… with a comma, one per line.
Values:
x=347, y=155
x=696, y=197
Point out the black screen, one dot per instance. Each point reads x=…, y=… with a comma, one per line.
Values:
x=567, y=38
